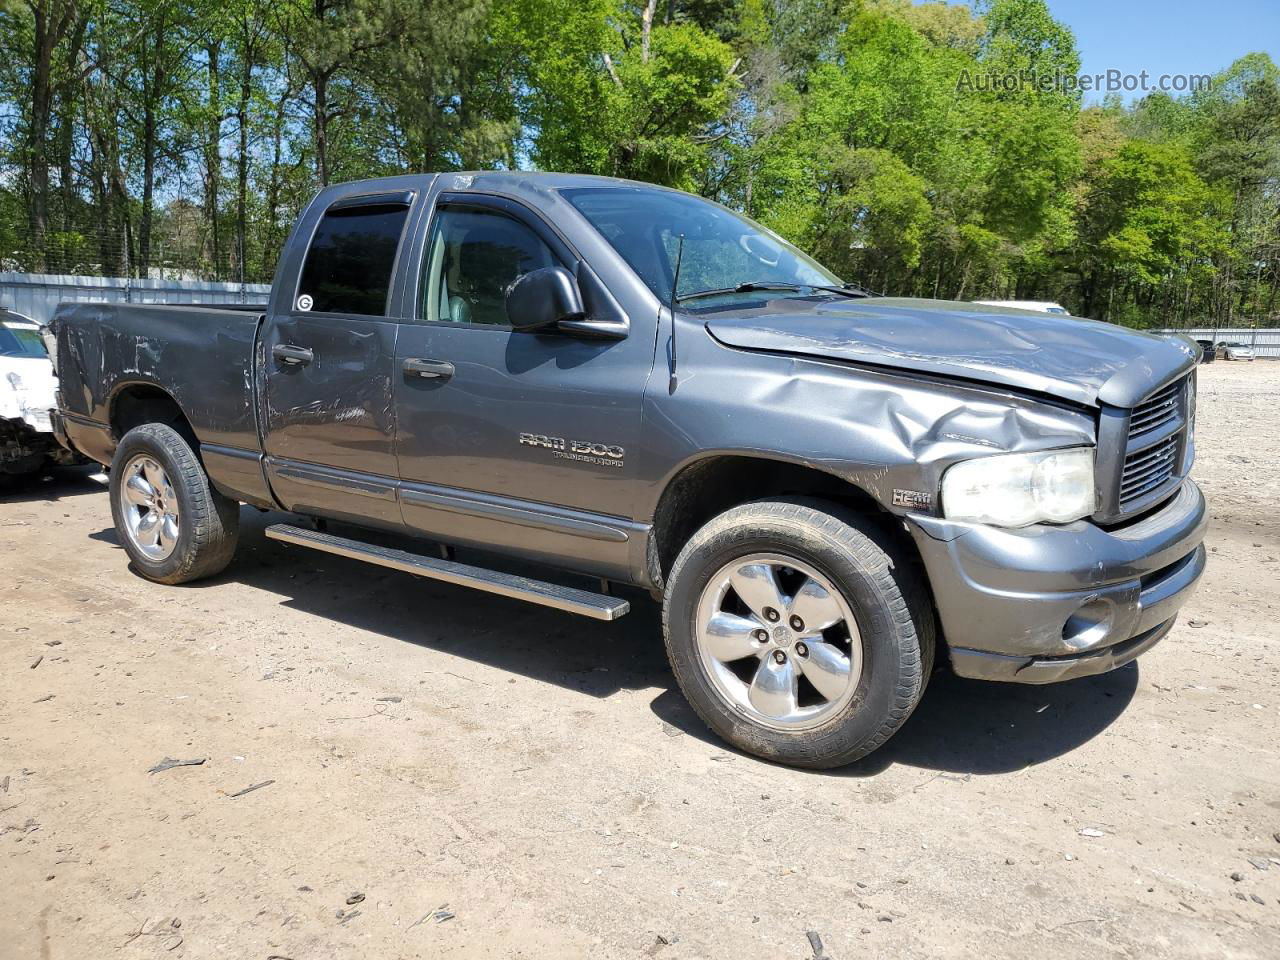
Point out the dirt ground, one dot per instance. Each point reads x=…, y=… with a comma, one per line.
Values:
x=449, y=774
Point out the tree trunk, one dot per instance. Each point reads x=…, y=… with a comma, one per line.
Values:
x=321, y=124
x=150, y=145
x=45, y=37
x=270, y=242
x=148, y=187
x=964, y=281
x=213, y=157
x=242, y=160
x=646, y=29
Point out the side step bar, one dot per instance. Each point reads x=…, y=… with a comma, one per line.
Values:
x=598, y=606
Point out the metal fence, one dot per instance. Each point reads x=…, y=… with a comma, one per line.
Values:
x=37, y=295
x=1265, y=342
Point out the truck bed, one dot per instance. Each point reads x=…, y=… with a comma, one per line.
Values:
x=201, y=356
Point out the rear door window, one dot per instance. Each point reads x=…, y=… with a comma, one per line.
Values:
x=353, y=253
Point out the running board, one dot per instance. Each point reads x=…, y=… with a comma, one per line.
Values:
x=598, y=606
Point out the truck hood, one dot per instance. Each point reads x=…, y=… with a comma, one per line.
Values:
x=1082, y=361
x=28, y=391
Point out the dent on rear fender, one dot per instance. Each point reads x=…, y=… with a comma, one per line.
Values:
x=209, y=374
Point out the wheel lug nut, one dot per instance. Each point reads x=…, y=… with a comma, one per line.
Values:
x=761, y=635
x=797, y=623
x=779, y=657
x=802, y=650
x=771, y=615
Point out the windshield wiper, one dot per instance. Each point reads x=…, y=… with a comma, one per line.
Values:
x=752, y=285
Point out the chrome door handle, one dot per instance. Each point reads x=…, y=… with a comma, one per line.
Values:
x=428, y=369
x=288, y=353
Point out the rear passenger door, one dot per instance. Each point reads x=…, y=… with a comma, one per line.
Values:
x=329, y=358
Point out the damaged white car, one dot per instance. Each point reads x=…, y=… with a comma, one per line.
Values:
x=28, y=392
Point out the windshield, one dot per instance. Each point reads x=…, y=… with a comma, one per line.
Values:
x=722, y=249
x=21, y=342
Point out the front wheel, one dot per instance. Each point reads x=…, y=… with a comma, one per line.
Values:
x=798, y=631
x=170, y=520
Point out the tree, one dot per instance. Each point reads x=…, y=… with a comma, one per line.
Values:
x=611, y=91
x=1144, y=217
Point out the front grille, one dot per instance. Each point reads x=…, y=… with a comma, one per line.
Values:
x=1157, y=410
x=1143, y=452
x=1149, y=469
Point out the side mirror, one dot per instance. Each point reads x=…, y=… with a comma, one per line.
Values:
x=543, y=298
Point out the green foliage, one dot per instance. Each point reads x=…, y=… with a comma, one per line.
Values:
x=870, y=217
x=184, y=136
x=1145, y=213
x=605, y=99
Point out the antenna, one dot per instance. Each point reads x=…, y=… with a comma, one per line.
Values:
x=675, y=285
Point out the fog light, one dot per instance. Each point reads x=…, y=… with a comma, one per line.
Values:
x=1088, y=627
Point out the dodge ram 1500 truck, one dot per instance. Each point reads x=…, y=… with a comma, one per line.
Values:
x=640, y=385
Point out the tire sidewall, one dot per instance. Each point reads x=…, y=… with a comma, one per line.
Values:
x=158, y=442
x=882, y=639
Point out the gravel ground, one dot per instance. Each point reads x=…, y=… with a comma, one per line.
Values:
x=446, y=774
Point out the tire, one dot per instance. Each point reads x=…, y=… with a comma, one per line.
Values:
x=891, y=640
x=207, y=524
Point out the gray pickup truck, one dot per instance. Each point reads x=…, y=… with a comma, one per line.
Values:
x=823, y=488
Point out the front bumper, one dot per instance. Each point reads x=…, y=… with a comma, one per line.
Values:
x=1048, y=603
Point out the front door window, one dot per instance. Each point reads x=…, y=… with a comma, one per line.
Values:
x=473, y=257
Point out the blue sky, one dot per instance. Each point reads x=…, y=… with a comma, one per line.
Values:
x=1169, y=36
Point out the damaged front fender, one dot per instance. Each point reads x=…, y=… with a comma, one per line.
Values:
x=890, y=434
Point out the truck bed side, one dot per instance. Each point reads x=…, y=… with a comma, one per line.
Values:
x=202, y=358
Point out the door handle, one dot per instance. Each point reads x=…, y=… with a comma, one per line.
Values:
x=428, y=369
x=288, y=353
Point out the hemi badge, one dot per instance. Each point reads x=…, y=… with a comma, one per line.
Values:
x=912, y=498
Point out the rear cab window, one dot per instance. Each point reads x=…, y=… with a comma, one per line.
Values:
x=351, y=261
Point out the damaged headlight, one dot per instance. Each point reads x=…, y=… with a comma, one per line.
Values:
x=1019, y=489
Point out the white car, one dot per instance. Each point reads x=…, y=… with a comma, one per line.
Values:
x=1231, y=350
x=28, y=392
x=1040, y=306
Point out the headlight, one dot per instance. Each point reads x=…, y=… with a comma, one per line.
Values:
x=1018, y=489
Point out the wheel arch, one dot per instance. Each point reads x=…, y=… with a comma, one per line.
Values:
x=715, y=482
x=136, y=402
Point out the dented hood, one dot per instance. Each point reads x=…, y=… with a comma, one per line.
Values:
x=1082, y=361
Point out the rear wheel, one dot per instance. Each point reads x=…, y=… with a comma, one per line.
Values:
x=172, y=523
x=798, y=631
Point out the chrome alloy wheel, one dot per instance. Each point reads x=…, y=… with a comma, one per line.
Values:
x=778, y=641
x=149, y=507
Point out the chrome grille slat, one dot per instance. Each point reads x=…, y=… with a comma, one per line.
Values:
x=1149, y=469
x=1158, y=473
x=1153, y=465
x=1146, y=483
x=1156, y=411
x=1159, y=470
x=1153, y=484
x=1152, y=420
x=1139, y=461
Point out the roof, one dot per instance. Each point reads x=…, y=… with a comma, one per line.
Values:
x=506, y=181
